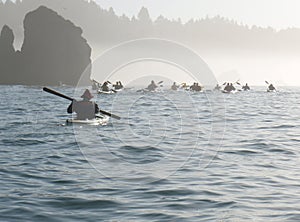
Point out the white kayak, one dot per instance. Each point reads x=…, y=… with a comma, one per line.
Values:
x=149, y=91
x=106, y=92
x=118, y=90
x=230, y=92
x=98, y=121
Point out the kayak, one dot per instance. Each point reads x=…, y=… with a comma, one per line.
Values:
x=148, y=91
x=106, y=92
x=98, y=121
x=271, y=90
x=229, y=92
x=118, y=90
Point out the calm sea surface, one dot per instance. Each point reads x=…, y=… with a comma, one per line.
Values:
x=174, y=156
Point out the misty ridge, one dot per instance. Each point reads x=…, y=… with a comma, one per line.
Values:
x=105, y=28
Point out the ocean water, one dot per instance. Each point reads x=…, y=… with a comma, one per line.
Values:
x=174, y=156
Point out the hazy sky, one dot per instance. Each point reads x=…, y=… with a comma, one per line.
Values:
x=279, y=14
x=275, y=13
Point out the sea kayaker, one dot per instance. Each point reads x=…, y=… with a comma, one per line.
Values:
x=174, y=86
x=227, y=87
x=198, y=87
x=121, y=85
x=118, y=85
x=271, y=87
x=152, y=86
x=246, y=87
x=105, y=87
x=217, y=87
x=84, y=109
x=193, y=87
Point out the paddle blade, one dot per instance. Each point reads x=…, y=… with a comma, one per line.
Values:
x=160, y=82
x=267, y=82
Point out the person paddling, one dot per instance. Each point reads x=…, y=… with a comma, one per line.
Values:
x=174, y=86
x=152, y=86
x=118, y=85
x=84, y=109
x=246, y=87
x=105, y=87
x=271, y=88
x=227, y=87
x=196, y=87
x=217, y=87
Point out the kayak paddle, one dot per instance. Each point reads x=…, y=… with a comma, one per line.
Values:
x=71, y=99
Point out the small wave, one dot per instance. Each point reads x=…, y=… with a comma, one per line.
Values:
x=173, y=192
x=22, y=142
x=16, y=214
x=140, y=155
x=211, y=193
x=276, y=127
x=284, y=126
x=143, y=149
x=278, y=150
x=159, y=217
x=81, y=204
x=259, y=145
x=64, y=182
x=242, y=152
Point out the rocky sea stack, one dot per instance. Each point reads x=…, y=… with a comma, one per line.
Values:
x=53, y=52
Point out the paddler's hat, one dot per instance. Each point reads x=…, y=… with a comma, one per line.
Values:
x=87, y=95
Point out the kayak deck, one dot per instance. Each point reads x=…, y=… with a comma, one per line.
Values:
x=106, y=92
x=98, y=121
x=230, y=92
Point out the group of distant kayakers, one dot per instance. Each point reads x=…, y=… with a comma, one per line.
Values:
x=87, y=109
x=107, y=86
x=194, y=87
x=228, y=87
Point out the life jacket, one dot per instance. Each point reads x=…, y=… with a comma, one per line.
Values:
x=84, y=109
x=105, y=88
x=227, y=88
x=152, y=87
x=174, y=87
